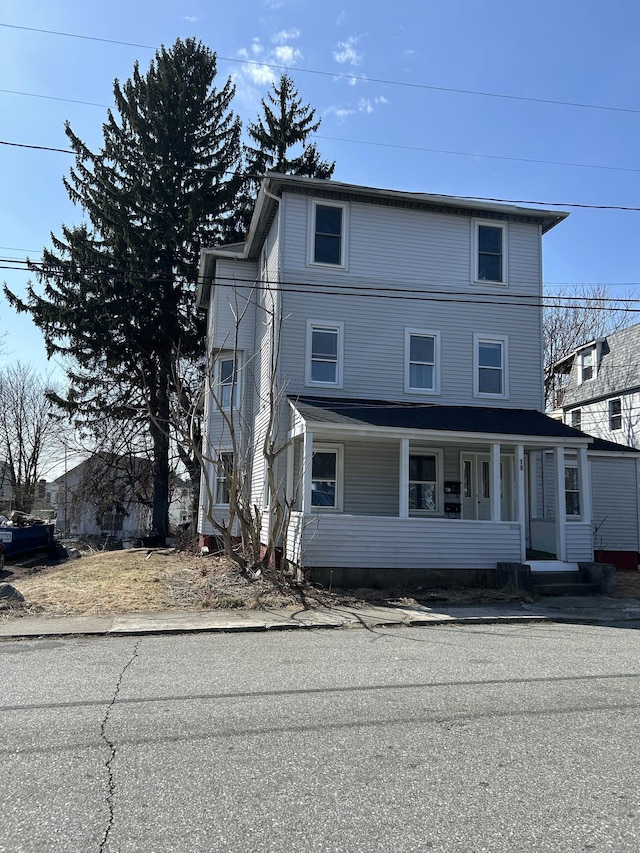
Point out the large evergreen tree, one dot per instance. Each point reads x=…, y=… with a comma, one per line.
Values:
x=279, y=143
x=118, y=295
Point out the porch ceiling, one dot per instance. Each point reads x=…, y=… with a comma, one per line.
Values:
x=478, y=421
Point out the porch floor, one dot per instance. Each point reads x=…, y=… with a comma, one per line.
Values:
x=551, y=566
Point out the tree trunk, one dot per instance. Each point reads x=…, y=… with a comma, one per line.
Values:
x=160, y=437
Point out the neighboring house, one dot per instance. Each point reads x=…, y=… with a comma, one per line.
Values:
x=106, y=495
x=405, y=332
x=181, y=505
x=599, y=387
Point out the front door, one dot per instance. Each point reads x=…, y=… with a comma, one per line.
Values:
x=476, y=486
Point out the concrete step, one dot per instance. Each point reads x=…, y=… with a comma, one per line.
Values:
x=543, y=578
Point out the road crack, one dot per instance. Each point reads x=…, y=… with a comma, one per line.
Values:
x=112, y=749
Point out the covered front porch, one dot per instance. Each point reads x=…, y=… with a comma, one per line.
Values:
x=381, y=486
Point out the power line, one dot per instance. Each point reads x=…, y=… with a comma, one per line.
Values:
x=391, y=145
x=441, y=195
x=373, y=291
x=350, y=77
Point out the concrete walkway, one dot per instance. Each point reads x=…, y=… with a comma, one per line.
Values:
x=596, y=610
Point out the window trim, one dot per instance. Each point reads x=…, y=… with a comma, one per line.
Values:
x=439, y=457
x=338, y=450
x=314, y=203
x=424, y=333
x=615, y=416
x=576, y=416
x=332, y=326
x=475, y=254
x=218, y=482
x=594, y=365
x=235, y=384
x=490, y=339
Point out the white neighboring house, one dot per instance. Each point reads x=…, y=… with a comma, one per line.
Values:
x=410, y=353
x=105, y=496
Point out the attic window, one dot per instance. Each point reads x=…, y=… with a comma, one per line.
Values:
x=490, y=252
x=328, y=234
x=587, y=364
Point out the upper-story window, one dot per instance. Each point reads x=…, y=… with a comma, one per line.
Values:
x=587, y=364
x=490, y=373
x=328, y=233
x=227, y=382
x=490, y=253
x=422, y=356
x=615, y=414
x=324, y=353
x=576, y=418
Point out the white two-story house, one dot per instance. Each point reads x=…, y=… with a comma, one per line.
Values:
x=402, y=332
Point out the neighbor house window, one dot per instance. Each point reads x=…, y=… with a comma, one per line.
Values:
x=490, y=253
x=328, y=234
x=326, y=472
x=576, y=418
x=615, y=414
x=587, y=364
x=423, y=483
x=421, y=361
x=490, y=367
x=572, y=491
x=324, y=353
x=224, y=473
x=228, y=390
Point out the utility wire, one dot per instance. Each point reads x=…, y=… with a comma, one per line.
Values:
x=340, y=75
x=440, y=195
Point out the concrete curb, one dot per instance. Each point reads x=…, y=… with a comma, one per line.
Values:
x=597, y=610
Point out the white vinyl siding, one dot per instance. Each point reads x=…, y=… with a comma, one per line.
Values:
x=615, y=503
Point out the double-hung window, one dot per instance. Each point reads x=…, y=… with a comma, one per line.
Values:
x=326, y=477
x=423, y=483
x=587, y=364
x=223, y=476
x=490, y=254
x=328, y=234
x=490, y=377
x=576, y=418
x=228, y=382
x=422, y=351
x=615, y=414
x=572, y=490
x=324, y=353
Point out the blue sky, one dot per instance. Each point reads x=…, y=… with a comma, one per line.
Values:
x=386, y=80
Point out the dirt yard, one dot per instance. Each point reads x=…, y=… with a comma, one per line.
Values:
x=138, y=580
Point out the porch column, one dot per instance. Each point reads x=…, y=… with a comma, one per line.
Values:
x=403, y=510
x=496, y=513
x=521, y=500
x=561, y=508
x=289, y=487
x=584, y=480
x=307, y=463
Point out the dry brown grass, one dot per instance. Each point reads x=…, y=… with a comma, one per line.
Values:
x=139, y=580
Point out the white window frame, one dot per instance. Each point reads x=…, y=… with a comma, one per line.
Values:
x=439, y=456
x=235, y=384
x=423, y=333
x=594, y=366
x=475, y=254
x=314, y=203
x=338, y=451
x=490, y=339
x=571, y=464
x=219, y=481
x=326, y=325
x=615, y=415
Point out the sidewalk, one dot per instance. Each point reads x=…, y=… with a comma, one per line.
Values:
x=591, y=610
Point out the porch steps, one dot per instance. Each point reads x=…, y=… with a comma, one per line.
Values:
x=559, y=582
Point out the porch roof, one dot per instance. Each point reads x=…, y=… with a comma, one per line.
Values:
x=402, y=415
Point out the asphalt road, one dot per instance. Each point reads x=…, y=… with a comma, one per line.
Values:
x=459, y=738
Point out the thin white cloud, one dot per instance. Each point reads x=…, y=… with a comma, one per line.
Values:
x=285, y=35
x=259, y=73
x=191, y=18
x=286, y=55
x=256, y=47
x=364, y=106
x=347, y=53
x=339, y=112
x=380, y=100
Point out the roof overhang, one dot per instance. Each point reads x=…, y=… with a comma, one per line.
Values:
x=431, y=422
